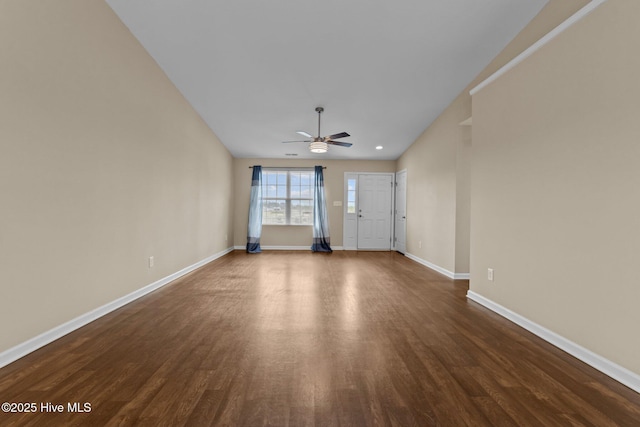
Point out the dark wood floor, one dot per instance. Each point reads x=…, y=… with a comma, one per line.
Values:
x=301, y=339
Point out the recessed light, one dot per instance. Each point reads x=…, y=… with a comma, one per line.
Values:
x=379, y=147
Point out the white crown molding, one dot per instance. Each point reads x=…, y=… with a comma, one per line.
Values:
x=607, y=367
x=576, y=17
x=21, y=350
x=444, y=271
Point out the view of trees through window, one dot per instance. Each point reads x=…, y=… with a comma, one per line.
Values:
x=287, y=197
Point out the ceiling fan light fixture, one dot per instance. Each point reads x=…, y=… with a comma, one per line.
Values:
x=320, y=144
x=318, y=147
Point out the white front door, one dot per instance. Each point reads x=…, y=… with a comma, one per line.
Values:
x=400, y=228
x=374, y=211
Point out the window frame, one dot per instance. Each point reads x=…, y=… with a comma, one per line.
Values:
x=288, y=199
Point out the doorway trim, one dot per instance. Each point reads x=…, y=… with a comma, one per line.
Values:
x=395, y=211
x=349, y=239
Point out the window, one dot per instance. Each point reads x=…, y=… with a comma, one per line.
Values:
x=351, y=196
x=287, y=197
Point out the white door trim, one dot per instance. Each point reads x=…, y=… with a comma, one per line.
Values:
x=395, y=209
x=345, y=231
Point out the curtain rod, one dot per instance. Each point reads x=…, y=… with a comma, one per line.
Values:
x=286, y=168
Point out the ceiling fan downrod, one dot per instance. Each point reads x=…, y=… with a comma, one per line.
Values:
x=319, y=110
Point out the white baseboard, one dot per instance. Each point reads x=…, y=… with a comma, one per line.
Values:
x=286, y=248
x=449, y=274
x=21, y=350
x=607, y=367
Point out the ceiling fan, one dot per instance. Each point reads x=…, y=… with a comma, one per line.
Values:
x=320, y=144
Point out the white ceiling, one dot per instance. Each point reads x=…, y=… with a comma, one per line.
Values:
x=383, y=70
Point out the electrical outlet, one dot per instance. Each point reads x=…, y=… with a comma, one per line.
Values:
x=419, y=244
x=490, y=274
x=226, y=237
x=151, y=261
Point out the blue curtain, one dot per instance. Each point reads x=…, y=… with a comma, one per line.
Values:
x=254, y=230
x=320, y=218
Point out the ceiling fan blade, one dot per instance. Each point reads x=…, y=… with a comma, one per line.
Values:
x=286, y=142
x=341, y=144
x=337, y=136
x=303, y=133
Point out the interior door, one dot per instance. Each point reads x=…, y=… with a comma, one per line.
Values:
x=400, y=228
x=374, y=211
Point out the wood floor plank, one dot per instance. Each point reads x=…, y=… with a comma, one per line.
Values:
x=289, y=338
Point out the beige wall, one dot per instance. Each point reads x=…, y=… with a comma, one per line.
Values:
x=277, y=235
x=555, y=175
x=431, y=190
x=439, y=161
x=102, y=164
x=463, y=196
